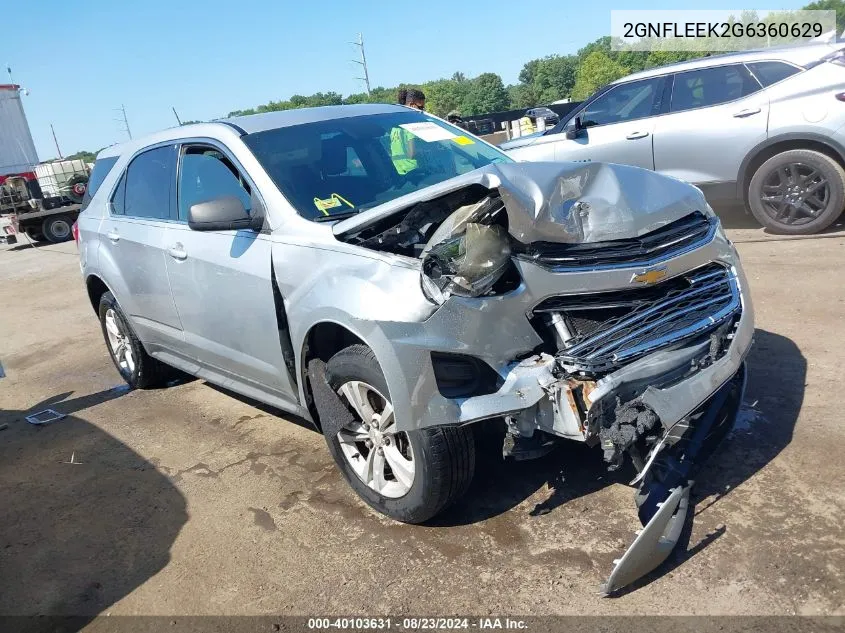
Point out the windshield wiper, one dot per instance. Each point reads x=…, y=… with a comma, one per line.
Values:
x=336, y=216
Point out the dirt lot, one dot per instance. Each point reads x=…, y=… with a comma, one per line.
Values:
x=187, y=500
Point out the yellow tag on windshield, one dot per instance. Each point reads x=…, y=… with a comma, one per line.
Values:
x=326, y=204
x=463, y=140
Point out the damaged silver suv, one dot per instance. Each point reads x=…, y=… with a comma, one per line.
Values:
x=399, y=282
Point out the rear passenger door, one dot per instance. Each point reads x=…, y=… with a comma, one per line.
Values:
x=222, y=280
x=716, y=116
x=132, y=238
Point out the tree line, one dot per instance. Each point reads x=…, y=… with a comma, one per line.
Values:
x=541, y=81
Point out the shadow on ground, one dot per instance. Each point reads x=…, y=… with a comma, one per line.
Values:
x=776, y=370
x=86, y=520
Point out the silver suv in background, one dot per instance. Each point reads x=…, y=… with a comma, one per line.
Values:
x=400, y=283
x=765, y=128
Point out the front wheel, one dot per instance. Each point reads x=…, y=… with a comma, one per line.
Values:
x=409, y=476
x=797, y=192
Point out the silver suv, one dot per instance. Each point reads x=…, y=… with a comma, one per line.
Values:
x=765, y=128
x=400, y=283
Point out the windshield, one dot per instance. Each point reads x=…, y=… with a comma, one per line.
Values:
x=340, y=167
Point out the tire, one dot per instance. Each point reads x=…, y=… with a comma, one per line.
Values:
x=797, y=192
x=443, y=458
x=76, y=186
x=142, y=370
x=57, y=228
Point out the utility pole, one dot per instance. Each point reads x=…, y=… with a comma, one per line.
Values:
x=56, y=141
x=9, y=70
x=126, y=129
x=363, y=62
x=178, y=120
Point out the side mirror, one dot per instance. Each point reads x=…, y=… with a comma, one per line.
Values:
x=575, y=131
x=223, y=214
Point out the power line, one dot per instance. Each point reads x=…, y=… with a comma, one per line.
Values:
x=363, y=62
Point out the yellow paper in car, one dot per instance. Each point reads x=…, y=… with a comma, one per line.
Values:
x=463, y=140
x=324, y=204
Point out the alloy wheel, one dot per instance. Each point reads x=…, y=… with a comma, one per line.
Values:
x=795, y=193
x=121, y=347
x=380, y=456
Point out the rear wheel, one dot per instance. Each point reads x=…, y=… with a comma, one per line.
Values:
x=138, y=369
x=797, y=192
x=408, y=475
x=57, y=228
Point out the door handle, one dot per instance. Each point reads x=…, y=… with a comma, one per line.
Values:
x=177, y=251
x=113, y=236
x=635, y=135
x=746, y=112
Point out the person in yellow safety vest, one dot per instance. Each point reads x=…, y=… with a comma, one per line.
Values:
x=526, y=126
x=401, y=140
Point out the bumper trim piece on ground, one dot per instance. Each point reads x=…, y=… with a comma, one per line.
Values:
x=653, y=544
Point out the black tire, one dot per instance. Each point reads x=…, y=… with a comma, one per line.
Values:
x=76, y=186
x=147, y=371
x=57, y=228
x=792, y=219
x=444, y=456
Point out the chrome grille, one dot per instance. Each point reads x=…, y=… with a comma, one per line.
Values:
x=687, y=233
x=612, y=328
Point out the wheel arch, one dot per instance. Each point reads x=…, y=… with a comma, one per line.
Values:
x=96, y=289
x=323, y=340
x=783, y=143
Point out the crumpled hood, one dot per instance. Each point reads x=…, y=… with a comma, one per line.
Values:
x=564, y=202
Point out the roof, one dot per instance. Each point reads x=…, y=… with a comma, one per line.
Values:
x=250, y=124
x=801, y=55
x=285, y=118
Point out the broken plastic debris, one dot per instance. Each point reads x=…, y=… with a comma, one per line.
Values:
x=44, y=417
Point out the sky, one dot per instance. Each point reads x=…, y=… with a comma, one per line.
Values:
x=209, y=57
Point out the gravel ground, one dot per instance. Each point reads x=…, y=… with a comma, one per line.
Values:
x=190, y=500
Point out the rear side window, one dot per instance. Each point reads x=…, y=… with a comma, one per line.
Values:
x=711, y=86
x=101, y=169
x=769, y=73
x=149, y=184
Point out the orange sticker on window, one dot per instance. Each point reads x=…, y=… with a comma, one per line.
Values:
x=463, y=140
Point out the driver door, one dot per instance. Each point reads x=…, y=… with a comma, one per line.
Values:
x=222, y=281
x=617, y=126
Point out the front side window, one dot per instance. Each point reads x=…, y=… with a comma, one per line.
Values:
x=625, y=102
x=149, y=181
x=207, y=174
x=711, y=86
x=343, y=166
x=769, y=73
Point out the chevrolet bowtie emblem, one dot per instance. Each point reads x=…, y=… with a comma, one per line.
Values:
x=649, y=276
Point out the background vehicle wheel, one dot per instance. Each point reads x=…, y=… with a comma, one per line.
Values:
x=798, y=192
x=57, y=228
x=409, y=476
x=139, y=369
x=76, y=186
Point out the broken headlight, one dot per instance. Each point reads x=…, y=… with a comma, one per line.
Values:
x=466, y=265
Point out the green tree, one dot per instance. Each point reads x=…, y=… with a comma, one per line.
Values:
x=486, y=94
x=84, y=155
x=554, y=78
x=444, y=95
x=827, y=5
x=596, y=70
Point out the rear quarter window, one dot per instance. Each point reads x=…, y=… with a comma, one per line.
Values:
x=101, y=169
